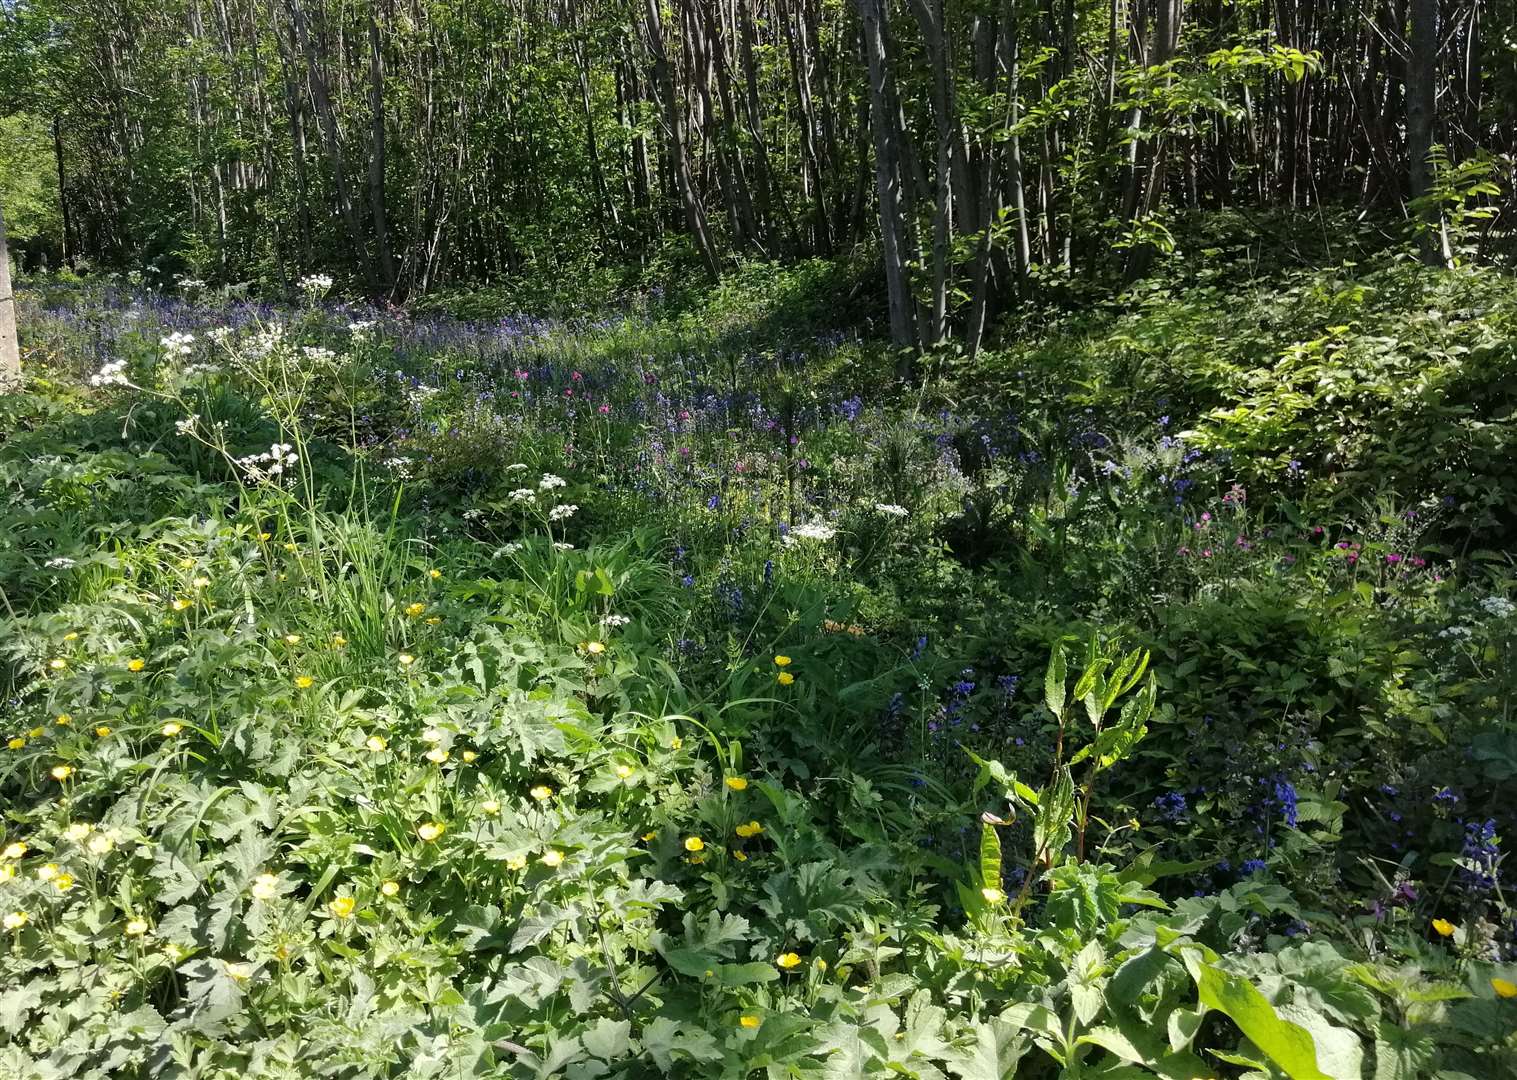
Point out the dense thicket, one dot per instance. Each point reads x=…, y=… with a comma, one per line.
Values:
x=407, y=145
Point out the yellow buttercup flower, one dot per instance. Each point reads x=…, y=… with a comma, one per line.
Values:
x=1504, y=988
x=16, y=920
x=542, y=793
x=623, y=772
x=782, y=661
x=676, y=742
x=342, y=907
x=16, y=743
x=64, y=720
x=172, y=728
x=136, y=928
x=749, y=830
x=239, y=972
x=787, y=960
x=291, y=547
x=14, y=850
x=593, y=648
x=264, y=535
x=136, y=664
x=63, y=882
x=61, y=772
x=416, y=609
x=376, y=743
x=784, y=678
x=437, y=755
x=993, y=895
x=304, y=681
x=179, y=603
x=265, y=887
x=469, y=756
x=405, y=660
x=649, y=837
x=432, y=735
x=292, y=639
x=431, y=830
x=739, y=855
x=57, y=663
x=72, y=635
x=100, y=844
x=749, y=1021
x=694, y=843
x=201, y=582
x=434, y=620
x=737, y=783
x=7, y=872
x=1444, y=927
x=36, y=733
x=516, y=862
x=490, y=806
x=338, y=641
x=78, y=831
x=553, y=858
x=434, y=574
x=102, y=731
x=390, y=888
x=47, y=872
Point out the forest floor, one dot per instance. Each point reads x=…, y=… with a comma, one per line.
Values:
x=665, y=692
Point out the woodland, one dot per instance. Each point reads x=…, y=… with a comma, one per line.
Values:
x=758, y=538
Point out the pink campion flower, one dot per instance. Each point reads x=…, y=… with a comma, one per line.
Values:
x=604, y=410
x=1206, y=515
x=1318, y=530
x=684, y=414
x=569, y=393
x=1393, y=558
x=1418, y=561
x=575, y=376
x=1183, y=551
x=1206, y=553
x=520, y=374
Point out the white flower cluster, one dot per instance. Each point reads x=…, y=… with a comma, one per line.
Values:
x=518, y=467
x=191, y=283
x=265, y=341
x=562, y=511
x=549, y=482
x=315, y=284
x=220, y=335
x=818, y=533
x=273, y=462
x=187, y=425
x=112, y=374
x=559, y=545
x=522, y=495
x=513, y=547
x=178, y=344
x=317, y=355
x=1456, y=633
x=62, y=562
x=891, y=509
x=361, y=329
x=201, y=369
x=474, y=513
x=1498, y=607
x=400, y=466
x=614, y=622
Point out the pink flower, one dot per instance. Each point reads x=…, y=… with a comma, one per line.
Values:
x=575, y=376
x=604, y=410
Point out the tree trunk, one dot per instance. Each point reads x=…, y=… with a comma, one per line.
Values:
x=1421, y=101
x=663, y=77
x=10, y=352
x=887, y=179
x=377, y=156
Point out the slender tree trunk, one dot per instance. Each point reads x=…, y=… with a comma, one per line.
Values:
x=887, y=178
x=10, y=352
x=377, y=156
x=63, y=206
x=1421, y=101
x=663, y=77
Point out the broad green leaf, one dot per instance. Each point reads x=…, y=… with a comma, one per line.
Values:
x=1054, y=679
x=1290, y=1046
x=998, y=1048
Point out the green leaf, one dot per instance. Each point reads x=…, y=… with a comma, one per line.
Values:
x=1054, y=679
x=1288, y=1045
x=998, y=1048
x=990, y=857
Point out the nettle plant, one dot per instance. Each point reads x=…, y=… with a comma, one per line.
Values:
x=1108, y=980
